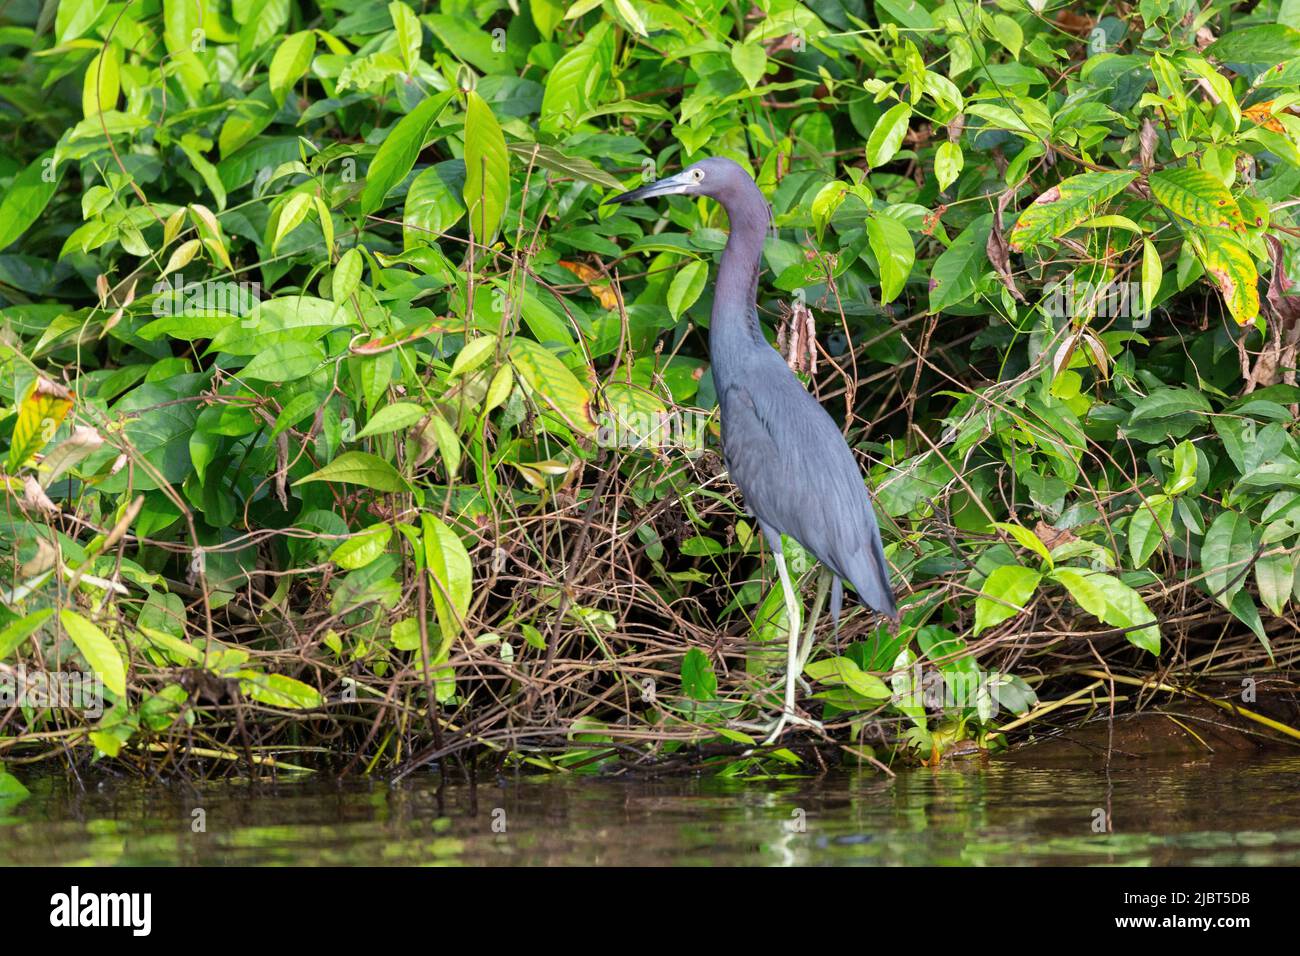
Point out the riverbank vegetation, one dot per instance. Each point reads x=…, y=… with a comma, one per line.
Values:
x=343, y=428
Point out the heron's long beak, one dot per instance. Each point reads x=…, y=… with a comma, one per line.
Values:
x=668, y=186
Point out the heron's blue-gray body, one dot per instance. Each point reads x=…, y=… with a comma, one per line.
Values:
x=783, y=451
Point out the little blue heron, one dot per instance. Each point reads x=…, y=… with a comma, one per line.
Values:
x=781, y=448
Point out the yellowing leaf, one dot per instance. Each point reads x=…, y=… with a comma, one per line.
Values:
x=594, y=281
x=1065, y=206
x=550, y=379
x=1228, y=264
x=39, y=417
x=1197, y=196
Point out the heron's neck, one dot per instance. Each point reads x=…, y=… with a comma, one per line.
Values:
x=734, y=323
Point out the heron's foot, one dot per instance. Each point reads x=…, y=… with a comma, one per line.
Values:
x=802, y=681
x=772, y=730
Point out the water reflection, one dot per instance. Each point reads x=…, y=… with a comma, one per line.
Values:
x=1203, y=812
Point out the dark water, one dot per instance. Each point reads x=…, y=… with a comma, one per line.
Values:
x=1201, y=812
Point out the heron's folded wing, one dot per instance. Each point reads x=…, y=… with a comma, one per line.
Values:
x=798, y=475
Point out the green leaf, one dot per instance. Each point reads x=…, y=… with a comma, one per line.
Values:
x=27, y=197
x=11, y=788
x=276, y=690
x=100, y=652
x=347, y=275
x=828, y=199
x=1065, y=206
x=1225, y=555
x=292, y=214
x=750, y=61
x=295, y=410
x=1147, y=529
x=1274, y=573
x=895, y=254
x=1125, y=608
x=698, y=680
x=487, y=169
x=1086, y=593
x=1009, y=34
x=887, y=136
x=359, y=550
x=392, y=418
x=102, y=81
x=1264, y=45
x=410, y=35
x=548, y=157
x=1026, y=539
x=1197, y=196
x=958, y=269
x=434, y=203
x=845, y=671
x=575, y=82
x=75, y=18
x=18, y=631
x=686, y=287
x=284, y=362
x=1184, y=476
x=1152, y=273
x=1004, y=595
x=399, y=150
x=451, y=574
x=948, y=162
x=359, y=468
x=291, y=62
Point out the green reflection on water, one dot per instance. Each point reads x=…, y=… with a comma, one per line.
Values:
x=1201, y=812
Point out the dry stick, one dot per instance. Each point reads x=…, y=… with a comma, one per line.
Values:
x=579, y=548
x=1189, y=692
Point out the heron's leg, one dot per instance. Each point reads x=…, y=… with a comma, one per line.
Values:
x=792, y=667
x=819, y=602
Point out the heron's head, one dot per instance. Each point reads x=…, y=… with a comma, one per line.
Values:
x=715, y=177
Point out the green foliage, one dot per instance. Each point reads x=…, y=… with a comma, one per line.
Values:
x=326, y=374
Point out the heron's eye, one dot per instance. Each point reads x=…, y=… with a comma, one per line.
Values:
x=697, y=174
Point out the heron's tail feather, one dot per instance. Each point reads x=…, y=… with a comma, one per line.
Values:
x=870, y=578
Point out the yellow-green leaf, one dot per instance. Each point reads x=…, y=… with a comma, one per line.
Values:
x=487, y=169
x=277, y=690
x=360, y=549
x=291, y=61
x=100, y=653
x=292, y=213
x=1228, y=264
x=39, y=417
x=1004, y=595
x=448, y=564
x=102, y=82
x=1065, y=206
x=550, y=379
x=360, y=468
x=1197, y=196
